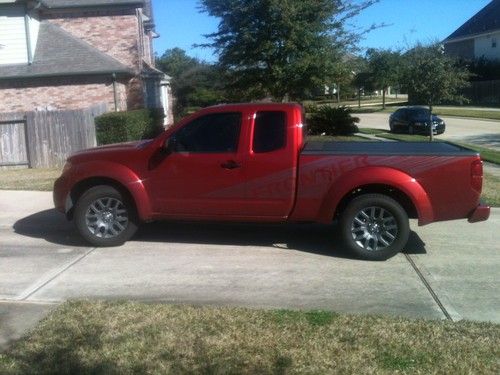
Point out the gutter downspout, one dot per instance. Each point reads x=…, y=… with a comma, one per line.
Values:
x=115, y=92
x=28, y=36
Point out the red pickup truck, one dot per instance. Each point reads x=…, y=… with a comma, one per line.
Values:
x=253, y=163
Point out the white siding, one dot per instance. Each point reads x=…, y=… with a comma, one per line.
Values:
x=13, y=48
x=483, y=46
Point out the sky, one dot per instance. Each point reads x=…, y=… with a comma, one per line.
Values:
x=180, y=24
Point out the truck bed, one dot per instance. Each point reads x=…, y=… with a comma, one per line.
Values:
x=386, y=148
x=443, y=170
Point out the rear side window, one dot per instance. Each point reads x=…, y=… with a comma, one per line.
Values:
x=211, y=133
x=269, y=131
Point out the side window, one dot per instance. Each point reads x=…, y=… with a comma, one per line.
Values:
x=217, y=132
x=269, y=131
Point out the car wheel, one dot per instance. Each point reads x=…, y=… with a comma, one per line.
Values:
x=391, y=126
x=374, y=227
x=411, y=130
x=105, y=217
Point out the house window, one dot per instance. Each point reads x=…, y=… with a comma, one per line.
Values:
x=493, y=42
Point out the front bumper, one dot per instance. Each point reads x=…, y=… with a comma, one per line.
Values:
x=480, y=213
x=437, y=129
x=60, y=194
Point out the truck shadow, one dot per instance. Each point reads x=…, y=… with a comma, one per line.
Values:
x=311, y=238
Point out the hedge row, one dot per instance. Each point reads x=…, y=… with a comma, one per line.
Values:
x=116, y=127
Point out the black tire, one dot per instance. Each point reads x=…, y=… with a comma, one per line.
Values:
x=363, y=239
x=391, y=126
x=101, y=225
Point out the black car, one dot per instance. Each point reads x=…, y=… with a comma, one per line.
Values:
x=415, y=120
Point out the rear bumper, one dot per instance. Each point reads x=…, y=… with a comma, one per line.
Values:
x=481, y=213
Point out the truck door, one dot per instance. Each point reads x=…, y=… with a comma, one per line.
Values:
x=203, y=177
x=271, y=165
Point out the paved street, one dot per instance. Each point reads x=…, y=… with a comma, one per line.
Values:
x=450, y=270
x=481, y=132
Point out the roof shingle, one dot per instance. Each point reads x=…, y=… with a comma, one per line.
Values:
x=58, y=53
x=486, y=20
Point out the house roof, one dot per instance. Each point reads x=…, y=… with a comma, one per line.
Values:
x=88, y=3
x=486, y=20
x=58, y=53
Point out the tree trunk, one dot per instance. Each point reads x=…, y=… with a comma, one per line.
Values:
x=383, y=97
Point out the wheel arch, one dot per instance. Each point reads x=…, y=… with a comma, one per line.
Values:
x=84, y=185
x=381, y=180
x=387, y=190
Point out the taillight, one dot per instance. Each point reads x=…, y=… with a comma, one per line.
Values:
x=476, y=172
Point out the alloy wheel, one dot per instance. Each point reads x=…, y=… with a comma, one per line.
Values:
x=106, y=217
x=374, y=228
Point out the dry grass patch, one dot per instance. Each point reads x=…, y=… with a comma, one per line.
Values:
x=28, y=179
x=491, y=190
x=126, y=338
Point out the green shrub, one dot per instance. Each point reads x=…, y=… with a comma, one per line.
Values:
x=332, y=121
x=116, y=127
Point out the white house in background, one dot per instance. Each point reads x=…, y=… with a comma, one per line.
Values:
x=479, y=37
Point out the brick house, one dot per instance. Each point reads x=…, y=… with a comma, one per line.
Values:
x=69, y=54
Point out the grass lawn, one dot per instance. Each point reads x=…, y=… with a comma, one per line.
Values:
x=28, y=179
x=440, y=111
x=364, y=101
x=128, y=337
x=491, y=190
x=464, y=112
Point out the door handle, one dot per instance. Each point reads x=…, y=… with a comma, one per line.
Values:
x=230, y=164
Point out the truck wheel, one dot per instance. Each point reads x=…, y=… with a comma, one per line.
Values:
x=374, y=227
x=104, y=217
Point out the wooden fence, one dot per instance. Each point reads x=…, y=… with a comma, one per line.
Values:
x=44, y=139
x=13, y=140
x=483, y=93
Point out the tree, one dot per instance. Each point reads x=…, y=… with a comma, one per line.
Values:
x=431, y=77
x=194, y=83
x=384, y=67
x=281, y=48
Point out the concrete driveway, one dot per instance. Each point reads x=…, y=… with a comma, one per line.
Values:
x=480, y=132
x=448, y=271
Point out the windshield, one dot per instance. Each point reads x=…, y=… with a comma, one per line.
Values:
x=419, y=112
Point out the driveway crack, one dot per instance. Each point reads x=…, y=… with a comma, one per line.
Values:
x=428, y=286
x=49, y=277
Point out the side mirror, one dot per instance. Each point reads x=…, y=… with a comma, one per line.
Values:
x=170, y=146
